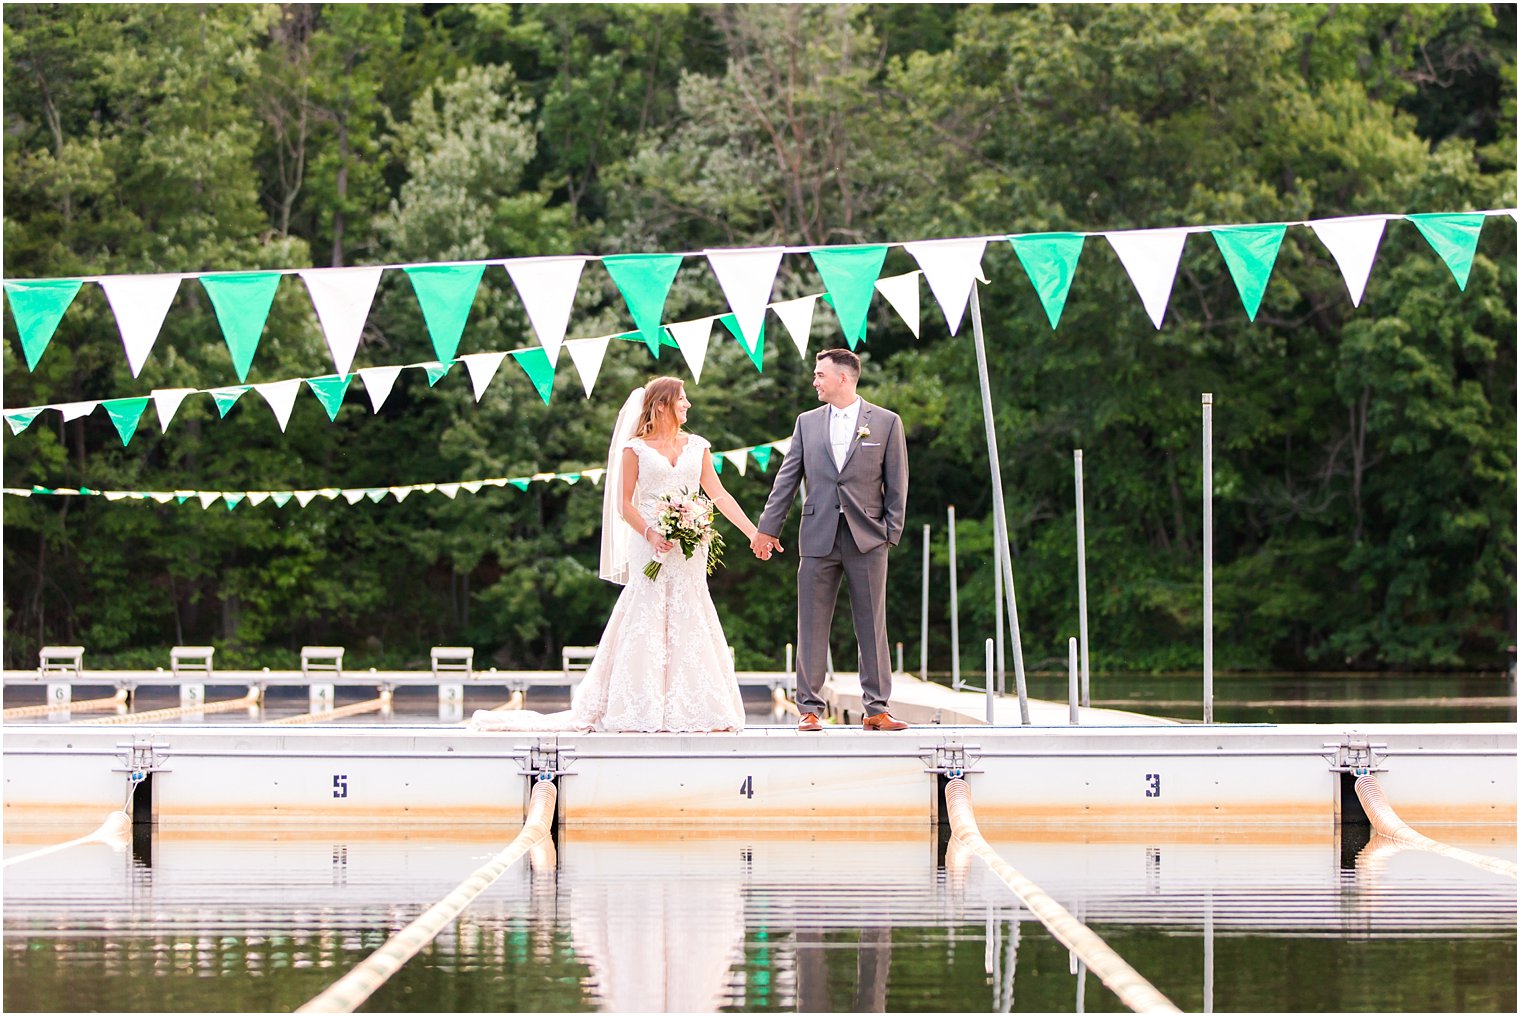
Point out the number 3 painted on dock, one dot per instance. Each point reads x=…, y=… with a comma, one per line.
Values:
x=1153, y=784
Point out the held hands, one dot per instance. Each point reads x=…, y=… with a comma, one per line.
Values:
x=764, y=545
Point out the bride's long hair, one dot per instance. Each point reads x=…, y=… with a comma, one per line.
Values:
x=660, y=395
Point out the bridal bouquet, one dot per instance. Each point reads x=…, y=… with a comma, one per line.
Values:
x=687, y=520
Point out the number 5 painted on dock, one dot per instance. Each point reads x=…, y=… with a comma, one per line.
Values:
x=340, y=786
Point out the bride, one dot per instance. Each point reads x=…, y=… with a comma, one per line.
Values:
x=663, y=662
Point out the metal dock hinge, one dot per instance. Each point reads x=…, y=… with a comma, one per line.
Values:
x=1356, y=755
x=951, y=757
x=140, y=759
x=545, y=759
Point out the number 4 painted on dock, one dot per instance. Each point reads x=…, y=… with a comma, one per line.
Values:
x=747, y=788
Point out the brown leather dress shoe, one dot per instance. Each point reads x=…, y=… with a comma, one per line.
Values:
x=809, y=722
x=883, y=721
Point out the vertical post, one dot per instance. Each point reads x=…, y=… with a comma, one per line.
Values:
x=1208, y=951
x=999, y=512
x=1082, y=582
x=1072, y=682
x=991, y=701
x=790, y=679
x=923, y=617
x=1208, y=557
x=997, y=611
x=955, y=613
x=899, y=658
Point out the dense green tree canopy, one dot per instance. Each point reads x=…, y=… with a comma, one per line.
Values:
x=1364, y=456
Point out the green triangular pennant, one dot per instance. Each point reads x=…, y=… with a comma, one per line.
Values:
x=1250, y=252
x=124, y=414
x=732, y=324
x=445, y=293
x=437, y=370
x=280, y=498
x=242, y=303
x=233, y=500
x=762, y=454
x=1454, y=237
x=535, y=363
x=644, y=280
x=1050, y=261
x=849, y=274
x=717, y=462
x=521, y=485
x=329, y=390
x=22, y=419
x=376, y=494
x=226, y=398
x=38, y=307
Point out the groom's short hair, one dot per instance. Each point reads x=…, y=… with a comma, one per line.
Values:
x=844, y=359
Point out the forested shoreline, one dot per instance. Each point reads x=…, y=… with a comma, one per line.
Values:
x=1364, y=456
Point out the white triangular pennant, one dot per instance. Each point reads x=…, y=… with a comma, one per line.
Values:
x=208, y=497
x=1150, y=257
x=353, y=496
x=342, y=297
x=304, y=497
x=281, y=396
x=740, y=459
x=167, y=400
x=1353, y=242
x=587, y=355
x=950, y=266
x=783, y=446
x=161, y=496
x=797, y=315
x=258, y=497
x=401, y=493
x=113, y=495
x=594, y=475
x=448, y=490
x=693, y=337
x=378, y=382
x=901, y=292
x=471, y=486
x=746, y=277
x=74, y=410
x=482, y=368
x=140, y=303
x=547, y=287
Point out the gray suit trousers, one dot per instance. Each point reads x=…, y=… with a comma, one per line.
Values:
x=818, y=588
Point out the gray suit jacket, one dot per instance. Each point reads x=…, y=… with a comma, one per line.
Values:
x=872, y=488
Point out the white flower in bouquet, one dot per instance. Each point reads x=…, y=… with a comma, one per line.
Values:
x=686, y=519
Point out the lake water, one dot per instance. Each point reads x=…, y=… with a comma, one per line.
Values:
x=676, y=920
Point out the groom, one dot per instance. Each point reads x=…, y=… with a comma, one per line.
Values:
x=854, y=460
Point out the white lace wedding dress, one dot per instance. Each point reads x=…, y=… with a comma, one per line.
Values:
x=663, y=662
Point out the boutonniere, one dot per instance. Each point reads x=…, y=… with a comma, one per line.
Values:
x=862, y=432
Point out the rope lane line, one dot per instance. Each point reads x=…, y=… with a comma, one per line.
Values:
x=1122, y=979
x=98, y=705
x=383, y=702
x=1387, y=823
x=115, y=831
x=154, y=715
x=352, y=989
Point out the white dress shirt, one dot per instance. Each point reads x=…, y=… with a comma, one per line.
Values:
x=842, y=424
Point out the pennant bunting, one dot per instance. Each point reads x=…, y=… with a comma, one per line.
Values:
x=482, y=368
x=950, y=267
x=547, y=288
x=21, y=419
x=644, y=280
x=739, y=457
x=342, y=298
x=281, y=396
x=849, y=274
x=329, y=390
x=37, y=308
x=208, y=498
x=594, y=475
x=378, y=382
x=166, y=402
x=124, y=414
x=784, y=446
x=376, y=495
x=746, y=277
x=1454, y=237
x=754, y=354
x=901, y=292
x=232, y=500
x=717, y=461
x=226, y=398
x=445, y=293
x=535, y=363
x=76, y=410
x=1250, y=252
x=451, y=490
x=257, y=497
x=692, y=337
x=797, y=315
x=1150, y=257
x=587, y=355
x=436, y=371
x=1050, y=261
x=400, y=493
x=140, y=303
x=1353, y=242
x=304, y=497
x=241, y=301
x=762, y=454
x=353, y=496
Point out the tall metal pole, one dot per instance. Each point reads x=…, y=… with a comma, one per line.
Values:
x=923, y=617
x=997, y=612
x=955, y=613
x=999, y=512
x=1208, y=557
x=1071, y=686
x=1082, y=582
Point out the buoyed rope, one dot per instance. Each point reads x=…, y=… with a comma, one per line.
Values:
x=369, y=706
x=1387, y=823
x=154, y=715
x=350, y=991
x=1122, y=979
x=116, y=830
x=96, y=705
